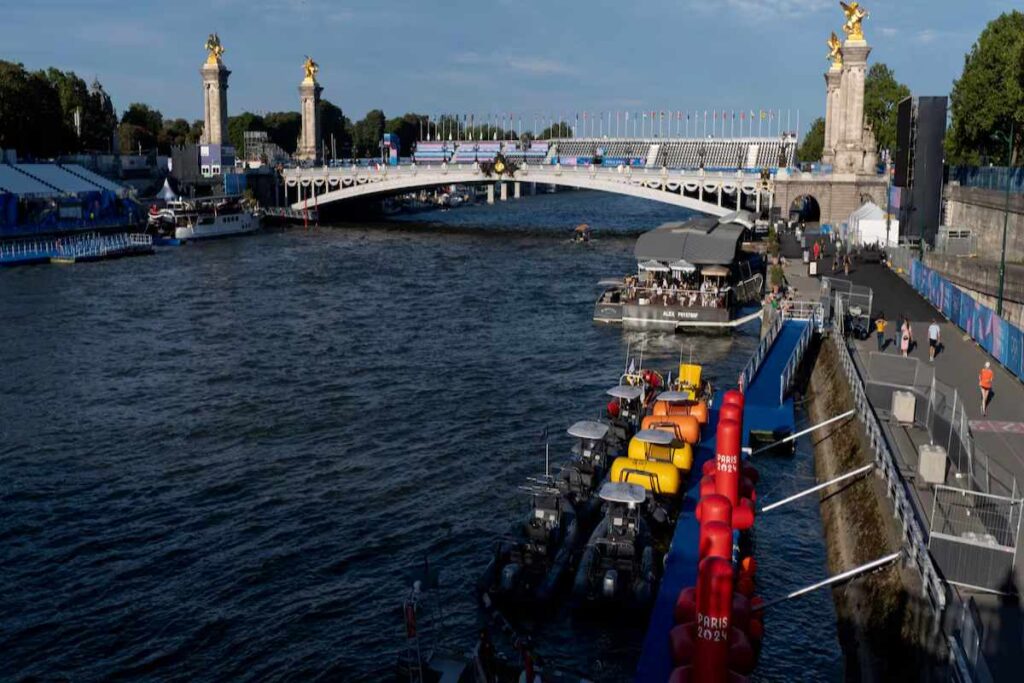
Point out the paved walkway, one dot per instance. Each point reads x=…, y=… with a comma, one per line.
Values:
x=998, y=435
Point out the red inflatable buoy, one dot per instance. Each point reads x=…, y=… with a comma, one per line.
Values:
x=686, y=605
x=714, y=605
x=727, y=460
x=734, y=397
x=715, y=540
x=714, y=508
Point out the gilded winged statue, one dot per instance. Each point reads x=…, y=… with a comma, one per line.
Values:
x=214, y=48
x=311, y=68
x=835, y=54
x=855, y=14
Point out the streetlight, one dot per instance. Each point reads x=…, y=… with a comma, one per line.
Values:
x=1006, y=218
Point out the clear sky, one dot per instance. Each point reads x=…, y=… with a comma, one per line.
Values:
x=481, y=56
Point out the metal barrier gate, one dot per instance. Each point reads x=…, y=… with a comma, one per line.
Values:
x=974, y=538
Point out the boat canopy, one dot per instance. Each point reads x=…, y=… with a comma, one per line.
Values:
x=588, y=429
x=653, y=266
x=609, y=282
x=700, y=241
x=655, y=437
x=621, y=492
x=626, y=392
x=683, y=266
x=673, y=397
x=715, y=271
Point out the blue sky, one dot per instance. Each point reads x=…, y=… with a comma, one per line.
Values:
x=488, y=55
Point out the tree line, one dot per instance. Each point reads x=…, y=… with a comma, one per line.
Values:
x=986, y=102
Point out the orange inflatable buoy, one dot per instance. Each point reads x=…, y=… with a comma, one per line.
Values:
x=685, y=428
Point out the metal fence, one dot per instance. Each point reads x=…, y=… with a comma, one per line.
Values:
x=956, y=243
x=901, y=257
x=974, y=538
x=988, y=177
x=754, y=364
x=793, y=362
x=896, y=487
x=963, y=624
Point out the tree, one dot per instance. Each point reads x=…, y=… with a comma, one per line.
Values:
x=335, y=128
x=98, y=120
x=989, y=95
x=31, y=117
x=814, y=142
x=174, y=133
x=367, y=134
x=557, y=130
x=882, y=94
x=140, y=128
x=239, y=125
x=73, y=95
x=407, y=128
x=283, y=129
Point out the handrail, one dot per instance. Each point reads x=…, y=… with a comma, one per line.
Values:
x=754, y=364
x=789, y=372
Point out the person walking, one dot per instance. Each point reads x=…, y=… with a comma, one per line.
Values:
x=985, y=384
x=933, y=340
x=905, y=342
x=846, y=265
x=817, y=250
x=880, y=331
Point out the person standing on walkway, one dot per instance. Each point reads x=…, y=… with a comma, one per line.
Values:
x=985, y=384
x=933, y=340
x=817, y=250
x=880, y=330
x=905, y=341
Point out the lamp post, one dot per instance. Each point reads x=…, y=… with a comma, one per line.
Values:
x=1006, y=218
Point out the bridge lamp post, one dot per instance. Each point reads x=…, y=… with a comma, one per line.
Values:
x=1006, y=216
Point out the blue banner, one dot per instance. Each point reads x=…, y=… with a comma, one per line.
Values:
x=997, y=336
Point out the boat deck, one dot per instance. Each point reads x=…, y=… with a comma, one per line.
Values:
x=762, y=411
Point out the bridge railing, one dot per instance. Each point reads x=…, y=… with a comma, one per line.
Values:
x=754, y=364
x=793, y=362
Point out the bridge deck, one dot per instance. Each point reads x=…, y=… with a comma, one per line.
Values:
x=762, y=412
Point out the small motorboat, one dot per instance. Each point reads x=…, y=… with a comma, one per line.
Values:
x=529, y=568
x=625, y=410
x=618, y=566
x=581, y=233
x=584, y=473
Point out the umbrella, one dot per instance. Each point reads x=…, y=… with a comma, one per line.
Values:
x=683, y=266
x=653, y=266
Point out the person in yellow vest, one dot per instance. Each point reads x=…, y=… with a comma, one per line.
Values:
x=985, y=378
x=880, y=331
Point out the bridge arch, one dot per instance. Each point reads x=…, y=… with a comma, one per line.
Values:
x=807, y=207
x=716, y=194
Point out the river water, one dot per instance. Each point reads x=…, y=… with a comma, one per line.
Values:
x=221, y=462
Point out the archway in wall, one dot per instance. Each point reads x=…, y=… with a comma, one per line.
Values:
x=805, y=208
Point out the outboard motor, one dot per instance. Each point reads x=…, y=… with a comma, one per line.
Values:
x=509, y=576
x=611, y=578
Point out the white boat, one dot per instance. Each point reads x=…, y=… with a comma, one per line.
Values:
x=183, y=220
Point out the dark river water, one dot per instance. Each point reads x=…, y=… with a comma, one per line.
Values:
x=220, y=462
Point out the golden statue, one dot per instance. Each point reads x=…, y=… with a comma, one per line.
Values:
x=311, y=68
x=855, y=14
x=835, y=51
x=214, y=48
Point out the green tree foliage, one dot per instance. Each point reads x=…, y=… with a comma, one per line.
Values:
x=31, y=117
x=882, y=94
x=814, y=142
x=335, y=128
x=239, y=125
x=140, y=128
x=407, y=128
x=557, y=130
x=367, y=134
x=989, y=95
x=283, y=129
x=176, y=132
x=98, y=121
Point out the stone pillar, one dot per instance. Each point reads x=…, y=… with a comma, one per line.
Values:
x=308, y=148
x=215, y=102
x=833, y=113
x=852, y=148
x=516, y=192
x=504, y=192
x=490, y=193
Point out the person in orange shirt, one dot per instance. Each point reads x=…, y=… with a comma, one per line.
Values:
x=985, y=383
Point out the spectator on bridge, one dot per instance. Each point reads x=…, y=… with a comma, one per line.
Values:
x=985, y=378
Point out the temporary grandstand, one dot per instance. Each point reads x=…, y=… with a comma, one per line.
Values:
x=53, y=198
x=748, y=154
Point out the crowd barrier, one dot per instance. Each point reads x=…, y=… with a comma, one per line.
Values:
x=997, y=336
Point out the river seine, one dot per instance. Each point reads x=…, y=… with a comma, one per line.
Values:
x=220, y=462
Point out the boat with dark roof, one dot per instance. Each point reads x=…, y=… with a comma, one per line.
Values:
x=690, y=275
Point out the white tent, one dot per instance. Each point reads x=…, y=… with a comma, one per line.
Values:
x=866, y=226
x=166, y=193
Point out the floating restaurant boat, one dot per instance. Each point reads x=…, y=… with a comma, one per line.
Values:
x=185, y=220
x=691, y=275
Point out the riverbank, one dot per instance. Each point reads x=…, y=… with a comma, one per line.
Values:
x=885, y=627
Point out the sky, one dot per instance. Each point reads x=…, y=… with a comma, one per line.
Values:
x=480, y=56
